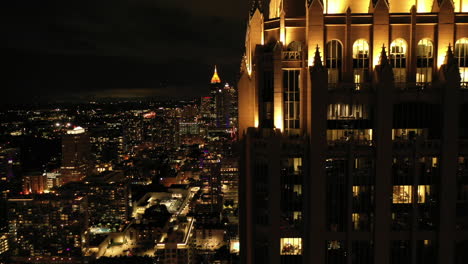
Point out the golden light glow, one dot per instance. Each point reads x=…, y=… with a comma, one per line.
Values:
x=335, y=6
x=215, y=78
x=375, y=60
x=424, y=6
x=275, y=8
x=464, y=6
x=441, y=56
x=291, y=246
x=278, y=115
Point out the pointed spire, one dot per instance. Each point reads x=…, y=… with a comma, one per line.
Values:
x=383, y=56
x=215, y=78
x=449, y=57
x=317, y=58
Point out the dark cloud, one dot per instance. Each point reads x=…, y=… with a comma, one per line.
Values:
x=60, y=48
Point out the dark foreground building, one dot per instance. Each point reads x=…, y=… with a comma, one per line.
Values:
x=354, y=130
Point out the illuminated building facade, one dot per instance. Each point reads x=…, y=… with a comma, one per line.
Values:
x=76, y=151
x=35, y=183
x=353, y=121
x=47, y=226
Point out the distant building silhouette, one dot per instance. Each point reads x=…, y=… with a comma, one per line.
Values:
x=352, y=118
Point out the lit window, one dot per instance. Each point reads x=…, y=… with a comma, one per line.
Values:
x=291, y=246
x=298, y=189
x=355, y=218
x=425, y=52
x=297, y=215
x=423, y=192
x=402, y=194
x=334, y=55
x=398, y=49
x=295, y=164
x=291, y=101
x=360, y=62
x=461, y=54
x=356, y=190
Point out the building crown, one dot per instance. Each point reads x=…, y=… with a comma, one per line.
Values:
x=215, y=78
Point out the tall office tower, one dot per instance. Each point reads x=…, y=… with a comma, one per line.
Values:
x=216, y=91
x=76, y=150
x=353, y=123
x=205, y=107
x=221, y=103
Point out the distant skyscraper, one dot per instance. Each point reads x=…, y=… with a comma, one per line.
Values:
x=353, y=116
x=76, y=150
x=223, y=104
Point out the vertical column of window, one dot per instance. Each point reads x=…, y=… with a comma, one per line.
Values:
x=334, y=55
x=336, y=203
x=427, y=209
x=424, y=57
x=267, y=100
x=363, y=194
x=462, y=194
x=291, y=101
x=291, y=210
x=360, y=62
x=291, y=194
x=398, y=49
x=461, y=54
x=402, y=193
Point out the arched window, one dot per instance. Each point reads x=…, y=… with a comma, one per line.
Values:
x=398, y=49
x=461, y=54
x=334, y=55
x=424, y=56
x=360, y=62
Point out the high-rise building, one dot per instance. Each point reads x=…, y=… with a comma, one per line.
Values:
x=353, y=122
x=76, y=150
x=9, y=159
x=222, y=103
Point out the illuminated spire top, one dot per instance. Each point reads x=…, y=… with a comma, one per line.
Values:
x=215, y=78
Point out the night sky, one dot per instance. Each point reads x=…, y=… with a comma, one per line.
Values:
x=82, y=49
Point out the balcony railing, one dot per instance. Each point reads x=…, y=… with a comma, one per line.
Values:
x=292, y=55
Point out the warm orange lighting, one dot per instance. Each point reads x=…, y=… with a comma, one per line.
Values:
x=215, y=78
x=424, y=6
x=279, y=117
x=335, y=6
